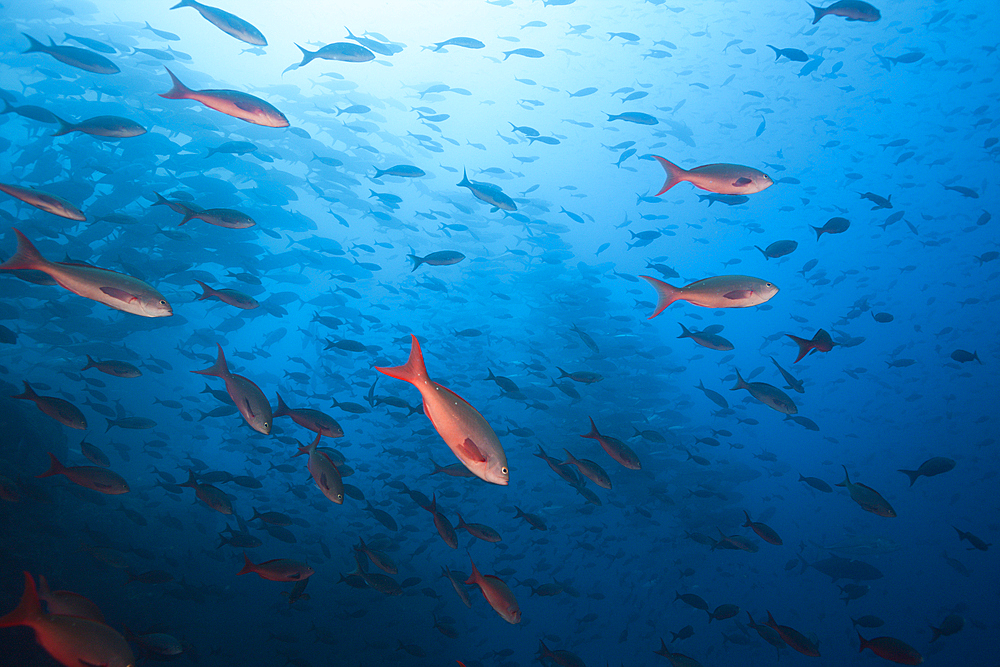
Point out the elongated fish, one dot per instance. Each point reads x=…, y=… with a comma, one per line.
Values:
x=247, y=396
x=767, y=394
x=489, y=193
x=44, y=201
x=220, y=217
x=230, y=102
x=59, y=409
x=118, y=290
x=717, y=292
x=324, y=472
x=869, y=499
x=227, y=23
x=342, y=51
x=314, y=420
x=106, y=127
x=95, y=478
x=70, y=640
x=615, y=448
x=852, y=10
x=459, y=424
x=497, y=594
x=723, y=179
x=73, y=56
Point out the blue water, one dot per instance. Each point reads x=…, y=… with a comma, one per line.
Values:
x=903, y=109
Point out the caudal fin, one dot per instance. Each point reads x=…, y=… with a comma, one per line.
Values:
x=805, y=346
x=912, y=474
x=740, y=382
x=307, y=56
x=26, y=257
x=675, y=174
x=55, y=467
x=65, y=127
x=247, y=566
x=818, y=13
x=417, y=261
x=35, y=44
x=413, y=370
x=206, y=291
x=282, y=409
x=593, y=435
x=219, y=369
x=28, y=610
x=665, y=294
x=179, y=91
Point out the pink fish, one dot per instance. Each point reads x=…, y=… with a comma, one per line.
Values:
x=279, y=569
x=498, y=594
x=247, y=396
x=95, y=478
x=230, y=102
x=723, y=179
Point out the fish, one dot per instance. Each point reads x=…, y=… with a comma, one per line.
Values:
x=59, y=409
x=852, y=10
x=439, y=258
x=70, y=640
x=92, y=44
x=767, y=394
x=105, y=127
x=930, y=468
x=73, y=56
x=869, y=499
x=117, y=290
x=820, y=342
x=279, y=569
x=464, y=42
x=976, y=542
x=44, y=201
x=832, y=226
x=892, y=649
x=314, y=420
x=324, y=472
x=121, y=369
x=227, y=23
x=208, y=494
x=497, y=594
x=489, y=193
x=95, y=478
x=229, y=296
x=463, y=429
x=795, y=55
x=230, y=102
x=723, y=179
x=247, y=396
x=710, y=341
x=778, y=249
x=524, y=52
x=401, y=170
x=636, y=117
x=732, y=291
x=615, y=448
x=220, y=217
x=763, y=531
x=794, y=638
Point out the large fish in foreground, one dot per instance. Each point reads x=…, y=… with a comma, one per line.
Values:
x=247, y=396
x=717, y=292
x=230, y=102
x=227, y=23
x=723, y=179
x=118, y=290
x=70, y=640
x=461, y=427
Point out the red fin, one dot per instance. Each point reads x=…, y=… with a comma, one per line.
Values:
x=674, y=174
x=28, y=610
x=593, y=435
x=207, y=292
x=738, y=294
x=119, y=294
x=665, y=294
x=219, y=369
x=472, y=451
x=247, y=566
x=179, y=91
x=55, y=467
x=29, y=393
x=804, y=346
x=413, y=370
x=26, y=257
x=282, y=409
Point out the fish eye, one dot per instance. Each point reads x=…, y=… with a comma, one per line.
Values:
x=503, y=470
x=162, y=302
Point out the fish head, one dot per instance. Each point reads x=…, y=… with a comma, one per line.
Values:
x=154, y=305
x=496, y=471
x=512, y=614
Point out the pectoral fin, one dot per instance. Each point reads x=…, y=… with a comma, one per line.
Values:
x=469, y=450
x=742, y=181
x=119, y=294
x=738, y=294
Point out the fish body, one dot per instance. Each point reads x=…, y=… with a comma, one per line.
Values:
x=767, y=394
x=229, y=296
x=717, y=292
x=230, y=102
x=324, y=472
x=929, y=468
x=723, y=179
x=794, y=638
x=44, y=201
x=246, y=395
x=210, y=495
x=892, y=649
x=489, y=193
x=636, y=117
x=778, y=249
x=105, y=127
x=832, y=226
x=869, y=499
x=439, y=258
x=401, y=170
x=763, y=531
x=464, y=42
x=95, y=478
x=820, y=342
x=615, y=448
x=711, y=341
x=59, y=409
x=462, y=428
x=279, y=569
x=121, y=369
x=342, y=51
x=227, y=23
x=852, y=10
x=314, y=420
x=70, y=640
x=497, y=594
x=73, y=56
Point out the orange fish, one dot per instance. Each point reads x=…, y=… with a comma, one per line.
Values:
x=67, y=603
x=45, y=201
x=70, y=640
x=230, y=102
x=498, y=594
x=821, y=342
x=723, y=179
x=794, y=638
x=279, y=569
x=716, y=292
x=461, y=427
x=96, y=478
x=615, y=448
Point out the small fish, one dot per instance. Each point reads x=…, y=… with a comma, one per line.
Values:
x=342, y=51
x=247, y=396
x=73, y=56
x=44, y=201
x=869, y=499
x=726, y=179
x=227, y=23
x=852, y=10
x=717, y=292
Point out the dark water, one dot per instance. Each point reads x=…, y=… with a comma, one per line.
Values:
x=890, y=125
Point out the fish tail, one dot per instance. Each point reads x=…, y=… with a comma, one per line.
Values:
x=179, y=91
x=593, y=435
x=465, y=176
x=64, y=127
x=740, y=382
x=28, y=610
x=818, y=13
x=777, y=52
x=35, y=44
x=55, y=468
x=749, y=523
x=30, y=395
x=207, y=292
x=805, y=346
x=307, y=56
x=219, y=369
x=247, y=565
x=90, y=363
x=912, y=474
x=413, y=370
x=818, y=230
x=26, y=257
x=184, y=3
x=111, y=424
x=666, y=294
x=684, y=334
x=417, y=261
x=475, y=577
x=762, y=252
x=7, y=108
x=847, y=479
x=674, y=174
x=280, y=411
x=864, y=643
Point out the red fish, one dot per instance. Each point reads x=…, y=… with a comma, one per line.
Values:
x=247, y=396
x=617, y=449
x=210, y=495
x=461, y=427
x=716, y=292
x=70, y=640
x=794, y=638
x=763, y=531
x=723, y=179
x=96, y=478
x=314, y=420
x=891, y=649
x=497, y=593
x=324, y=472
x=59, y=409
x=67, y=603
x=279, y=569
x=44, y=201
x=821, y=342
x=444, y=527
x=230, y=102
